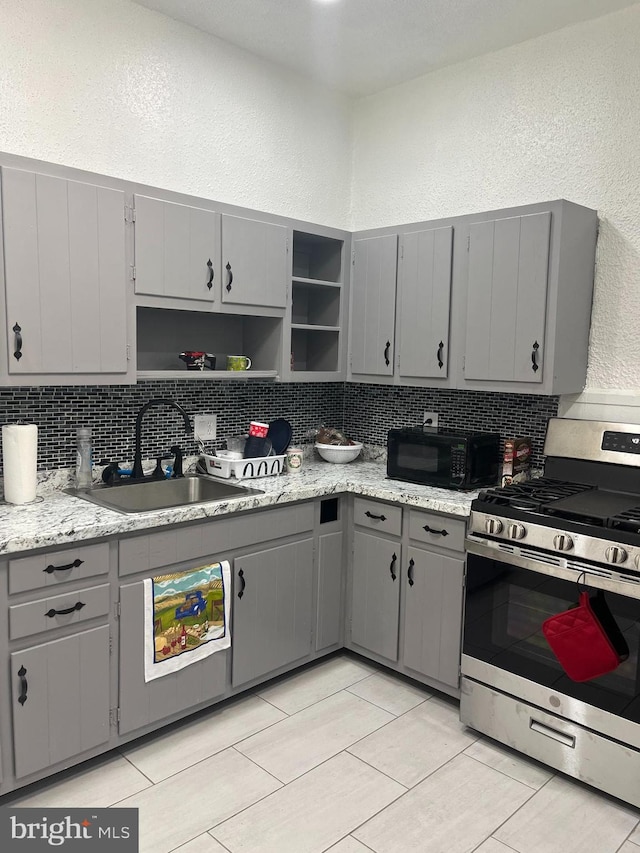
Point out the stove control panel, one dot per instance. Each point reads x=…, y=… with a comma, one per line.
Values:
x=493, y=526
x=621, y=442
x=516, y=531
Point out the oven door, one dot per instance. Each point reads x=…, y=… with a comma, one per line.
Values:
x=508, y=596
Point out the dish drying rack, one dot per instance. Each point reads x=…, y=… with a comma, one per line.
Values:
x=242, y=469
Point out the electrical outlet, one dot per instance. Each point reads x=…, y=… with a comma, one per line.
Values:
x=430, y=419
x=205, y=427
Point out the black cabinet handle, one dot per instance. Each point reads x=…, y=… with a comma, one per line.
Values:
x=387, y=347
x=50, y=569
x=410, y=572
x=17, y=353
x=534, y=356
x=377, y=517
x=439, y=355
x=229, y=277
x=210, y=282
x=77, y=606
x=22, y=674
x=243, y=582
x=392, y=566
x=442, y=532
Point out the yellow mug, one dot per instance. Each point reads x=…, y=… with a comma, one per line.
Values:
x=238, y=362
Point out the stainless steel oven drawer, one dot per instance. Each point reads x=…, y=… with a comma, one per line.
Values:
x=607, y=765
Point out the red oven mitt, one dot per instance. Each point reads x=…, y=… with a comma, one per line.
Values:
x=581, y=643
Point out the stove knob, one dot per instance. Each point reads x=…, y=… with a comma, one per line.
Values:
x=615, y=554
x=562, y=542
x=493, y=526
x=517, y=531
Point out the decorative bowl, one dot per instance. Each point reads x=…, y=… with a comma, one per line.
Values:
x=339, y=453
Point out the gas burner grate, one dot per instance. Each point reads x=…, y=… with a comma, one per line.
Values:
x=532, y=494
x=628, y=520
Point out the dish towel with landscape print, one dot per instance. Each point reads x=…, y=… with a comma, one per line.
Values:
x=186, y=617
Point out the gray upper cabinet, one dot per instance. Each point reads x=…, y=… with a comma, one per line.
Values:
x=177, y=250
x=254, y=262
x=373, y=305
x=527, y=286
x=424, y=296
x=507, y=298
x=65, y=277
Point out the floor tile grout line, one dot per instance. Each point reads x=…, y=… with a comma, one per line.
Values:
x=264, y=769
x=373, y=767
x=526, y=802
x=344, y=838
x=135, y=767
x=321, y=699
x=498, y=770
x=217, y=752
x=490, y=837
x=628, y=838
x=199, y=835
x=397, y=716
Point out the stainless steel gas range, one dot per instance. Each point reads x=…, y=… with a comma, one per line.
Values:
x=528, y=547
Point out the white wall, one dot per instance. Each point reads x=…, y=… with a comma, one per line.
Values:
x=555, y=117
x=111, y=87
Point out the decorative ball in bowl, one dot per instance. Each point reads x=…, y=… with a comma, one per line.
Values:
x=339, y=453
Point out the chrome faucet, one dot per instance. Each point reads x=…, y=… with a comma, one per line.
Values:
x=137, y=472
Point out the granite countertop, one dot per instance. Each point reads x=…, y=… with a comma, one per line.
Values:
x=58, y=518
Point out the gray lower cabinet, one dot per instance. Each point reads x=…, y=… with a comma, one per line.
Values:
x=375, y=594
x=142, y=703
x=272, y=609
x=65, y=276
x=254, y=262
x=433, y=614
x=177, y=250
x=60, y=699
x=373, y=300
x=329, y=614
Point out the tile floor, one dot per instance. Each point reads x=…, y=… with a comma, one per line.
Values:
x=344, y=758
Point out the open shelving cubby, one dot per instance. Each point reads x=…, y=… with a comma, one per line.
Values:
x=316, y=304
x=164, y=333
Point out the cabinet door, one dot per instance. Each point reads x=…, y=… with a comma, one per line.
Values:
x=375, y=602
x=433, y=615
x=424, y=290
x=177, y=250
x=329, y=614
x=254, y=260
x=373, y=305
x=60, y=698
x=143, y=702
x=272, y=605
x=507, y=298
x=65, y=270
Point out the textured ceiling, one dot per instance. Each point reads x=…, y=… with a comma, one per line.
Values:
x=363, y=46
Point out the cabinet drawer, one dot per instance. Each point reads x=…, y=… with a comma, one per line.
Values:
x=55, y=567
x=211, y=538
x=383, y=518
x=81, y=605
x=434, y=529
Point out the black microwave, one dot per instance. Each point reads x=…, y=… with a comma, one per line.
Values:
x=448, y=459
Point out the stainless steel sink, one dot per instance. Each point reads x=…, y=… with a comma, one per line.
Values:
x=163, y=494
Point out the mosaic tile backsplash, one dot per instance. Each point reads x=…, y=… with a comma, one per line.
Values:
x=364, y=411
x=110, y=411
x=372, y=410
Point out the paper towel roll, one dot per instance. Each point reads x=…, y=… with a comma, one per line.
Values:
x=20, y=462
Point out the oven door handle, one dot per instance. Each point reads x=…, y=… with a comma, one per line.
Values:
x=629, y=588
